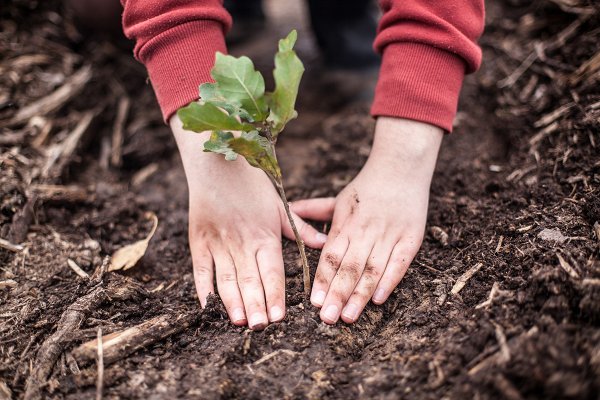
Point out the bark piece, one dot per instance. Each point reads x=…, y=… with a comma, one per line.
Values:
x=119, y=345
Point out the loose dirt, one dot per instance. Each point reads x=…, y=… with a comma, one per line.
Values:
x=524, y=159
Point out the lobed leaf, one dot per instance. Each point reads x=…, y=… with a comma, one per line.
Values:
x=287, y=73
x=239, y=83
x=258, y=152
x=219, y=143
x=208, y=117
x=209, y=93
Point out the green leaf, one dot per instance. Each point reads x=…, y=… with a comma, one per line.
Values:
x=287, y=73
x=258, y=152
x=209, y=93
x=239, y=83
x=207, y=117
x=219, y=143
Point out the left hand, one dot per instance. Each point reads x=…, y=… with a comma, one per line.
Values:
x=378, y=220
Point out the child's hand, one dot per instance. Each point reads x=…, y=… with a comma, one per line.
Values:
x=235, y=225
x=378, y=220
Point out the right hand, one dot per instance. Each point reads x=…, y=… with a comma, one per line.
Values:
x=236, y=219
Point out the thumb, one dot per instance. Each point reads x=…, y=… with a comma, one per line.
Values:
x=319, y=209
x=311, y=237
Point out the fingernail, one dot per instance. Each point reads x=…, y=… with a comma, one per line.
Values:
x=318, y=298
x=379, y=296
x=331, y=313
x=275, y=314
x=238, y=315
x=257, y=321
x=351, y=312
x=321, y=238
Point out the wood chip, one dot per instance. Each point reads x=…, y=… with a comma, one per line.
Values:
x=54, y=100
x=501, y=338
x=118, y=128
x=100, y=362
x=77, y=269
x=267, y=357
x=119, y=345
x=464, y=278
x=5, y=393
x=567, y=267
x=439, y=234
x=143, y=174
x=71, y=193
x=5, y=244
x=597, y=230
x=591, y=281
x=490, y=299
x=59, y=155
x=8, y=283
x=126, y=257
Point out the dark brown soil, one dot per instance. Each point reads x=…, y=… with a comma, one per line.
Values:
x=517, y=190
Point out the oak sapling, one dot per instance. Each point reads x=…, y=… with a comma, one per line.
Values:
x=237, y=102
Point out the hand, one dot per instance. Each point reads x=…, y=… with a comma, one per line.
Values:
x=235, y=224
x=378, y=220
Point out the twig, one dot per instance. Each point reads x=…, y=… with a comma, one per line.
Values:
x=60, y=154
x=77, y=269
x=490, y=299
x=51, y=349
x=143, y=174
x=464, y=278
x=558, y=41
x=274, y=354
x=501, y=338
x=69, y=193
x=119, y=345
x=499, y=246
x=21, y=222
x=5, y=244
x=496, y=357
x=118, y=128
x=567, y=267
x=56, y=99
x=100, y=381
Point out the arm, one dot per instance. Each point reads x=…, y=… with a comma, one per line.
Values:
x=427, y=48
x=176, y=40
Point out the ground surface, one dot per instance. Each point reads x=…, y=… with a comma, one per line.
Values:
x=516, y=194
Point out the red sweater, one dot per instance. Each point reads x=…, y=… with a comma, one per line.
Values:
x=427, y=47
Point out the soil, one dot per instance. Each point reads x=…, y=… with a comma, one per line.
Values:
x=516, y=191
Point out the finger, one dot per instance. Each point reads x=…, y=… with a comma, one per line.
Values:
x=270, y=265
x=251, y=288
x=329, y=263
x=228, y=287
x=368, y=282
x=345, y=279
x=320, y=209
x=400, y=260
x=311, y=237
x=203, y=268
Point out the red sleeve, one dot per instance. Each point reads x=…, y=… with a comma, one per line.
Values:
x=427, y=46
x=176, y=40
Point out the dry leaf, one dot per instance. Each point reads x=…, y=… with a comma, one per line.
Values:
x=126, y=257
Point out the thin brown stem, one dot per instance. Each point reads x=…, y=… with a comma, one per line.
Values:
x=299, y=241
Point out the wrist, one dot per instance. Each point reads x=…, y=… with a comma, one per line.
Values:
x=406, y=140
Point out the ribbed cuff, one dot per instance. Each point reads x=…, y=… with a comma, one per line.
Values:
x=419, y=82
x=179, y=60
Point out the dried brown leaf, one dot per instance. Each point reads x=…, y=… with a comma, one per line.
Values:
x=126, y=257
